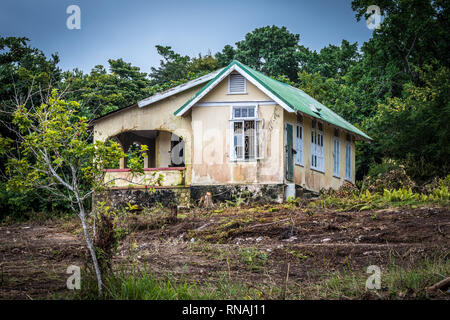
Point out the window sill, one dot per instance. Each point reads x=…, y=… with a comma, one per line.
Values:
x=317, y=170
x=349, y=180
x=299, y=164
x=337, y=177
x=244, y=161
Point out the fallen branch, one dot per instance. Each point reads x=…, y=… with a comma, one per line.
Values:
x=286, y=280
x=202, y=227
x=268, y=224
x=441, y=285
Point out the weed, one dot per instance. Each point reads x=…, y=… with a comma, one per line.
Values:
x=254, y=259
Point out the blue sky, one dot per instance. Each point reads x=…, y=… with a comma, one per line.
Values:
x=131, y=29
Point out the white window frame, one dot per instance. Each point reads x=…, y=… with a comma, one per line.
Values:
x=336, y=157
x=299, y=144
x=229, y=83
x=317, y=149
x=348, y=161
x=258, y=151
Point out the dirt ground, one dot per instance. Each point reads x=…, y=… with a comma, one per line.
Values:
x=252, y=245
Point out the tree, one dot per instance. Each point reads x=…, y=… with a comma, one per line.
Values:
x=101, y=92
x=225, y=57
x=415, y=127
x=173, y=66
x=331, y=61
x=413, y=36
x=22, y=66
x=413, y=33
x=54, y=153
x=203, y=64
x=269, y=49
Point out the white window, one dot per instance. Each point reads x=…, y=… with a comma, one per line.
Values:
x=299, y=144
x=336, y=154
x=246, y=134
x=317, y=146
x=348, y=159
x=237, y=84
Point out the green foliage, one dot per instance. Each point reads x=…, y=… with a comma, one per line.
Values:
x=226, y=56
x=175, y=67
x=100, y=92
x=397, y=281
x=29, y=204
x=367, y=200
x=56, y=153
x=394, y=87
x=254, y=259
x=387, y=175
x=394, y=197
x=136, y=154
x=271, y=50
x=414, y=126
x=143, y=285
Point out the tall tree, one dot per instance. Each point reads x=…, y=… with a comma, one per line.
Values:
x=225, y=56
x=22, y=67
x=173, y=66
x=271, y=50
x=100, y=91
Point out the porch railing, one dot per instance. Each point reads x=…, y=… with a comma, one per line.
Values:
x=159, y=177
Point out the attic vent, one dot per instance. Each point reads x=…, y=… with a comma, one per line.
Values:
x=236, y=83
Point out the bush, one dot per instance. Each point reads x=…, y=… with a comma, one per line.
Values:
x=387, y=175
x=435, y=184
x=345, y=191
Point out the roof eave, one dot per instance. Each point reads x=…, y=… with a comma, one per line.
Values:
x=175, y=90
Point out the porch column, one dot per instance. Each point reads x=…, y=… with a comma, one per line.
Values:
x=122, y=163
x=146, y=160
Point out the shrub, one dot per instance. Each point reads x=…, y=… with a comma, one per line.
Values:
x=387, y=175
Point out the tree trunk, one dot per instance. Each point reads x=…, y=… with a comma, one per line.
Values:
x=173, y=216
x=92, y=251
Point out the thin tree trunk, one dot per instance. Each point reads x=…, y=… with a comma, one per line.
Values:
x=91, y=250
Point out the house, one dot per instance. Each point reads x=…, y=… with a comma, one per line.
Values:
x=231, y=132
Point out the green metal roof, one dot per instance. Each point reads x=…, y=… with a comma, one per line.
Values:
x=293, y=97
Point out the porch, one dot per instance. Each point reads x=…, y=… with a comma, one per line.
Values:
x=164, y=164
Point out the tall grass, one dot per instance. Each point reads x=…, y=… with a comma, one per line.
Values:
x=396, y=281
x=144, y=285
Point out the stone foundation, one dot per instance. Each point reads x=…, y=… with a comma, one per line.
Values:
x=260, y=193
x=301, y=192
x=185, y=196
x=118, y=198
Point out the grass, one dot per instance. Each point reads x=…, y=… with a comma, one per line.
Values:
x=396, y=282
x=143, y=285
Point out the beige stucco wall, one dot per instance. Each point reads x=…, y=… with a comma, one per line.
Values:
x=211, y=157
x=220, y=93
x=313, y=179
x=212, y=138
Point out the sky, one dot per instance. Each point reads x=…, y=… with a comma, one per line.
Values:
x=130, y=29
